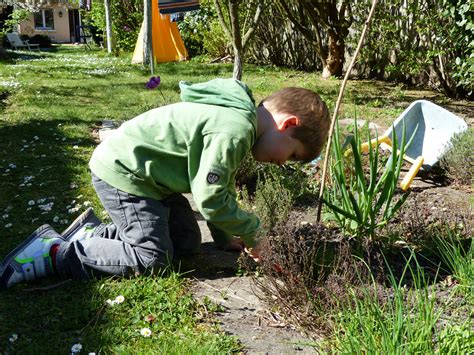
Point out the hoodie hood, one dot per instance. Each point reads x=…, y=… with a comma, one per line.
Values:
x=228, y=93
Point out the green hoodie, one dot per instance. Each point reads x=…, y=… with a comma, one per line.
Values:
x=193, y=146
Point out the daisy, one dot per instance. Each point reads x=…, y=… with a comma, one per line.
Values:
x=76, y=348
x=146, y=332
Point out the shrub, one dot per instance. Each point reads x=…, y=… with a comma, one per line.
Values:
x=43, y=41
x=272, y=201
x=458, y=161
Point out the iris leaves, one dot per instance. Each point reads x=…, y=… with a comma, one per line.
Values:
x=361, y=201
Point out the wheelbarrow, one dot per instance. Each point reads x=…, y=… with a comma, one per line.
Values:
x=433, y=127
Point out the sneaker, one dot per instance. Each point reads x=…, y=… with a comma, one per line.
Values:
x=82, y=227
x=30, y=260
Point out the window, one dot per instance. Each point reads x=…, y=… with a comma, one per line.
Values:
x=44, y=20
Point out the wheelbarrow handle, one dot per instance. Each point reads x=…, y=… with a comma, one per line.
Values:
x=407, y=180
x=364, y=147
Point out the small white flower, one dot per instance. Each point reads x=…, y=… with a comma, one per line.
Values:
x=56, y=219
x=31, y=203
x=119, y=299
x=75, y=147
x=110, y=302
x=76, y=348
x=46, y=207
x=8, y=225
x=146, y=332
x=13, y=338
x=12, y=166
x=87, y=203
x=73, y=185
x=5, y=216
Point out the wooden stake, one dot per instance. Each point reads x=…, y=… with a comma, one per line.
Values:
x=336, y=109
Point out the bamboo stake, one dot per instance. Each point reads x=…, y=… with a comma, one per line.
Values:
x=336, y=109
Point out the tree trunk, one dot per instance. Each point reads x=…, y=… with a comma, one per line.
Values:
x=335, y=58
x=148, y=58
x=237, y=38
x=237, y=74
x=108, y=25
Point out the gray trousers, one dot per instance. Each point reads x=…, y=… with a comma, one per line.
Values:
x=144, y=236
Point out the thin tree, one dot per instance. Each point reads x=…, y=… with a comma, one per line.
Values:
x=148, y=58
x=108, y=25
x=324, y=23
x=232, y=28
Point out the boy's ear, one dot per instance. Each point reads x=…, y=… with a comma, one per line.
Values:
x=287, y=122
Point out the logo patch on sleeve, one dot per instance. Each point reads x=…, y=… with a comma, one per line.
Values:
x=212, y=177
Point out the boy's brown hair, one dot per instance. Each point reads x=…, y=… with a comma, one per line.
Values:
x=312, y=113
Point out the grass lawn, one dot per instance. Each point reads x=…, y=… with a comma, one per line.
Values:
x=50, y=104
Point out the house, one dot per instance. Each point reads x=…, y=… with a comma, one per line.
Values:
x=57, y=19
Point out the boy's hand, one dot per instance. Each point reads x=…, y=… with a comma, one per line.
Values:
x=236, y=245
x=254, y=253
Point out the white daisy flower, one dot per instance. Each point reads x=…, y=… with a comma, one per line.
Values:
x=146, y=332
x=119, y=299
x=31, y=203
x=13, y=338
x=76, y=348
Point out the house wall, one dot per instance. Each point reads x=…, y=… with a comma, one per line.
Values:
x=61, y=32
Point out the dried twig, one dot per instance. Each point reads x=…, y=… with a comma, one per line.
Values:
x=46, y=288
x=338, y=104
x=229, y=295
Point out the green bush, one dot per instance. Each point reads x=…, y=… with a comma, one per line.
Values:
x=272, y=201
x=458, y=161
x=195, y=26
x=127, y=18
x=43, y=41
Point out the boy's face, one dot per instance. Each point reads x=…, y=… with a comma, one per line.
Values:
x=277, y=147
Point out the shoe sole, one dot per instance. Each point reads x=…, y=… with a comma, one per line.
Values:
x=86, y=217
x=6, y=270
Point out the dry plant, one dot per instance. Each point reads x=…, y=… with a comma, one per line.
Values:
x=308, y=270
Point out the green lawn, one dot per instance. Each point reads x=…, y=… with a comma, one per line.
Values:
x=50, y=105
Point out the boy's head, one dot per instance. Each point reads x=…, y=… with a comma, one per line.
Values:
x=302, y=115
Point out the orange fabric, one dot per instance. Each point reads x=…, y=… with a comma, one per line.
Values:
x=168, y=45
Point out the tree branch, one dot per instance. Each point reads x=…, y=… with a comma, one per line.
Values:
x=220, y=15
x=253, y=26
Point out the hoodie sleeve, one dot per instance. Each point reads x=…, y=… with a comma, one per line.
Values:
x=213, y=189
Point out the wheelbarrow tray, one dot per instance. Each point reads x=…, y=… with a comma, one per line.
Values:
x=434, y=126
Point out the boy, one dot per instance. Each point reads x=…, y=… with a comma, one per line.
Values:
x=140, y=171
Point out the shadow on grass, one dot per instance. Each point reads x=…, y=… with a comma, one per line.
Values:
x=36, y=163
